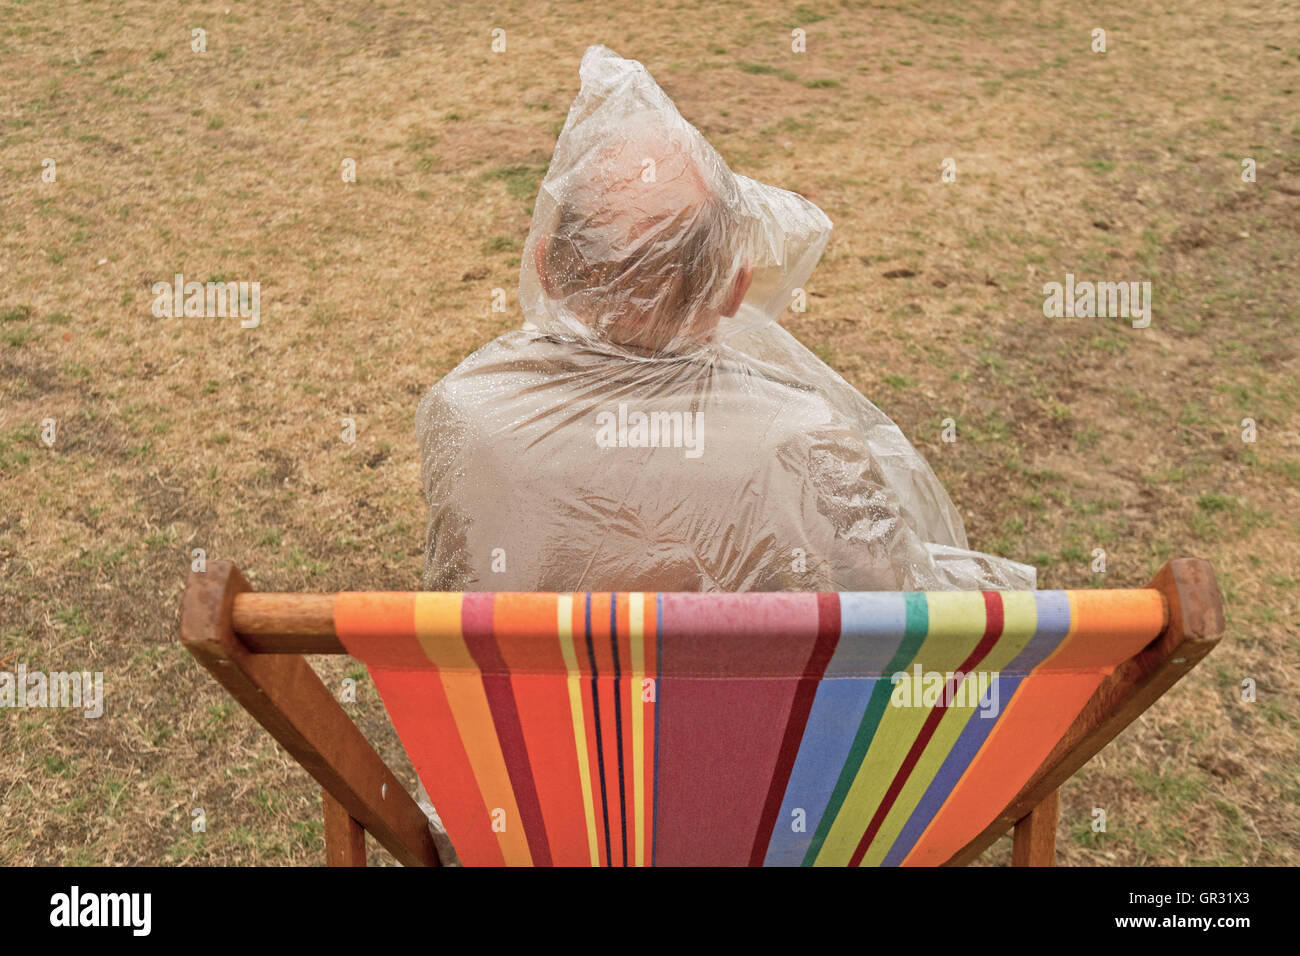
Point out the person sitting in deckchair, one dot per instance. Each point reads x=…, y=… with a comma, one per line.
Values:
x=652, y=427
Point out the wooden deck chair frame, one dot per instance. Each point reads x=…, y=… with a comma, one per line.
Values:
x=254, y=645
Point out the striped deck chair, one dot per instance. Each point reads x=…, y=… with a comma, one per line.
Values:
x=717, y=729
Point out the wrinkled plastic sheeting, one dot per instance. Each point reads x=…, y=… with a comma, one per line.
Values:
x=621, y=442
x=623, y=138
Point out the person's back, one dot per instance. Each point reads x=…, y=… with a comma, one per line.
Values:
x=613, y=474
x=658, y=432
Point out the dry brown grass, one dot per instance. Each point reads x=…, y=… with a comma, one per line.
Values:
x=183, y=433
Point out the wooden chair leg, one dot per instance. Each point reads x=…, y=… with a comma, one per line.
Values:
x=345, y=839
x=1035, y=841
x=288, y=698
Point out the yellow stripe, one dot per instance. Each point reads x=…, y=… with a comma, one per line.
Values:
x=636, y=619
x=956, y=626
x=437, y=627
x=564, y=613
x=1019, y=622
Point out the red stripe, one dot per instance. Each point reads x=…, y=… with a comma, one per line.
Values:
x=992, y=631
x=476, y=625
x=828, y=635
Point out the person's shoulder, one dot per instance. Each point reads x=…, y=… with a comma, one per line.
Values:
x=517, y=366
x=772, y=393
x=518, y=353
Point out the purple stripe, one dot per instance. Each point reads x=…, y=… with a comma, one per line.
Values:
x=476, y=626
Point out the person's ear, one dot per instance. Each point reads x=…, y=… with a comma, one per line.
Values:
x=738, y=290
x=539, y=262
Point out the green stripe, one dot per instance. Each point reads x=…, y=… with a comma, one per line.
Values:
x=914, y=631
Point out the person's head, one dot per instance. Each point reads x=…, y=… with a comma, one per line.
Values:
x=643, y=250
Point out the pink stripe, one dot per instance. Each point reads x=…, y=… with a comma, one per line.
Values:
x=720, y=736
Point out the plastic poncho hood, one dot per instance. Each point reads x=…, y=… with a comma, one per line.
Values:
x=652, y=427
x=641, y=229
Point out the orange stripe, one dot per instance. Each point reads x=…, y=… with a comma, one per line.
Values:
x=418, y=705
x=1106, y=627
x=388, y=631
x=651, y=646
x=438, y=618
x=378, y=627
x=542, y=702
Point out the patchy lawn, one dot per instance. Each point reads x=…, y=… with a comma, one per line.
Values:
x=1074, y=434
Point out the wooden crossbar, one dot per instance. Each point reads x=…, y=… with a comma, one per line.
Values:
x=254, y=645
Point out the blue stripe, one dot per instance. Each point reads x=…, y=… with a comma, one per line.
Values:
x=1052, y=626
x=871, y=629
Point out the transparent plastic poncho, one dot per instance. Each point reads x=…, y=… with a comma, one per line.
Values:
x=652, y=427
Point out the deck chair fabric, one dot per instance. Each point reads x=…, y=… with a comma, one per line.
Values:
x=635, y=729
